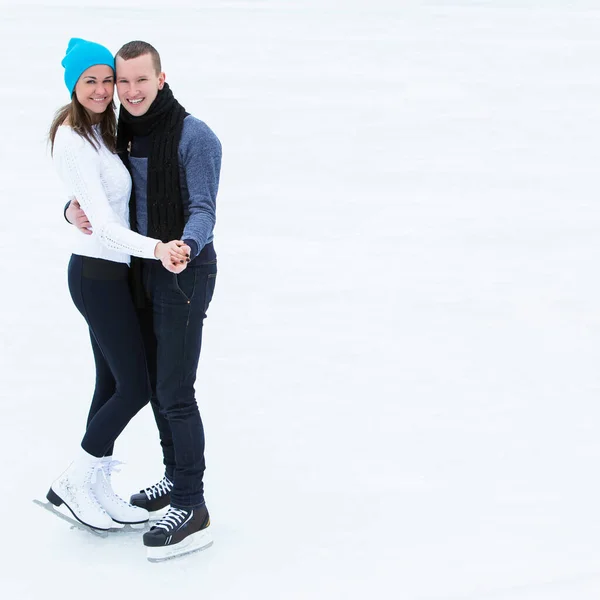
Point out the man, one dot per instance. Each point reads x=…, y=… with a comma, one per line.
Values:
x=175, y=161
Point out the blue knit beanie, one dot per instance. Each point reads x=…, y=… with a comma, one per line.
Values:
x=81, y=55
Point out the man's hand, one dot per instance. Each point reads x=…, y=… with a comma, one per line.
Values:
x=77, y=217
x=174, y=255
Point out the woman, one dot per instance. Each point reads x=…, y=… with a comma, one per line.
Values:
x=82, y=136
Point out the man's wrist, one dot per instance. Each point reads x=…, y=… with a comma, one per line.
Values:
x=194, y=250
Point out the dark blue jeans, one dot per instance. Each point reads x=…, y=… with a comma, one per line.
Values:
x=100, y=291
x=171, y=326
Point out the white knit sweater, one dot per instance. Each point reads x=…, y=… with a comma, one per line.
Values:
x=102, y=186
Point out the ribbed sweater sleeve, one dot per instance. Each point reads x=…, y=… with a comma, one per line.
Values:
x=200, y=150
x=78, y=165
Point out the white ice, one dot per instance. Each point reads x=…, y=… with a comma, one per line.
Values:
x=399, y=378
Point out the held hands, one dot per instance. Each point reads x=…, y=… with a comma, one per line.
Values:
x=77, y=217
x=174, y=255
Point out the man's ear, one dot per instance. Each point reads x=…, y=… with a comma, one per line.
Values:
x=161, y=80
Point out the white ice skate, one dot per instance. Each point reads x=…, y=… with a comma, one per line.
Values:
x=120, y=511
x=73, y=490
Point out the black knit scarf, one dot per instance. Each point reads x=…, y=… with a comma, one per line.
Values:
x=163, y=123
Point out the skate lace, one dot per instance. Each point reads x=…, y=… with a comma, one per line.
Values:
x=162, y=488
x=93, y=472
x=92, y=476
x=111, y=466
x=173, y=519
x=108, y=468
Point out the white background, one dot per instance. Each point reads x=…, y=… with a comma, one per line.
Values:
x=399, y=379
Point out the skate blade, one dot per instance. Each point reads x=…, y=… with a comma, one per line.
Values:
x=73, y=522
x=130, y=527
x=118, y=528
x=201, y=540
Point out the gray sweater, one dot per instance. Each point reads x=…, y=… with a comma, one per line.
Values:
x=199, y=169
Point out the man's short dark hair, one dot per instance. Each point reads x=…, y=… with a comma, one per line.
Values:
x=136, y=48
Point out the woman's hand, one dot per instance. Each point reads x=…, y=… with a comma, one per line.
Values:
x=173, y=255
x=77, y=217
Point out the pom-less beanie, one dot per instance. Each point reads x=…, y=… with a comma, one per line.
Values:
x=82, y=55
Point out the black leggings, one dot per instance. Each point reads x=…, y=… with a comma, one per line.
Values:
x=100, y=291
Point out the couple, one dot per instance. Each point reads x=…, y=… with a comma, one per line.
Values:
x=155, y=170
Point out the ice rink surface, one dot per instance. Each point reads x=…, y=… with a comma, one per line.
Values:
x=400, y=374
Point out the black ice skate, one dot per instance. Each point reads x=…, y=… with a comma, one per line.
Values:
x=179, y=532
x=154, y=498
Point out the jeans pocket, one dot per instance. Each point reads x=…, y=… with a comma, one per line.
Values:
x=185, y=283
x=210, y=289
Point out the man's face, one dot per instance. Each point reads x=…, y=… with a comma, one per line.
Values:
x=138, y=83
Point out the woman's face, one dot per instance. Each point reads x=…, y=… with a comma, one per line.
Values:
x=95, y=89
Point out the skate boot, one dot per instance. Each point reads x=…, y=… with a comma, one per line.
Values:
x=120, y=510
x=74, y=490
x=179, y=532
x=154, y=498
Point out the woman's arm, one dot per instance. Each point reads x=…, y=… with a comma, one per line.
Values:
x=78, y=166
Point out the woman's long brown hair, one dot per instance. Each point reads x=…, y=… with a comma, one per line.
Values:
x=79, y=120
